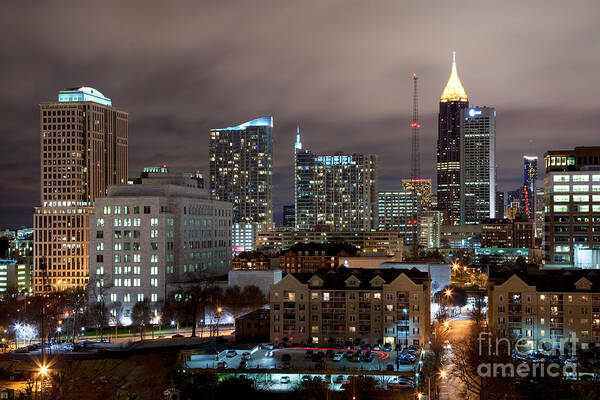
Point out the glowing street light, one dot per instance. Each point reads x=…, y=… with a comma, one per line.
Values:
x=448, y=292
x=43, y=370
x=443, y=374
x=446, y=324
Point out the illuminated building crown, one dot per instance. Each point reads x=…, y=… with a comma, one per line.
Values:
x=454, y=90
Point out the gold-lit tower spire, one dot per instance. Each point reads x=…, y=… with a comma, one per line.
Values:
x=454, y=90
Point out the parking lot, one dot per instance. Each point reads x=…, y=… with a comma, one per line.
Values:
x=300, y=358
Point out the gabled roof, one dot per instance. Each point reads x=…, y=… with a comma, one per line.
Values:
x=552, y=280
x=335, y=279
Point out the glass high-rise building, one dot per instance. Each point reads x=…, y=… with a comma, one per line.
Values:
x=529, y=192
x=477, y=165
x=453, y=100
x=241, y=170
x=398, y=211
x=335, y=192
x=289, y=216
x=83, y=150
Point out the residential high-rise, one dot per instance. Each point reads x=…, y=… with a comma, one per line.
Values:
x=147, y=239
x=529, y=177
x=289, y=216
x=571, y=203
x=477, y=165
x=83, y=150
x=241, y=172
x=398, y=211
x=453, y=100
x=335, y=192
x=241, y=169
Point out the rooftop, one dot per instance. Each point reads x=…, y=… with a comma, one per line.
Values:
x=551, y=280
x=82, y=94
x=263, y=121
x=336, y=278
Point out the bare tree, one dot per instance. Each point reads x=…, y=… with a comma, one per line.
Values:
x=197, y=294
x=75, y=300
x=141, y=316
x=253, y=297
x=97, y=312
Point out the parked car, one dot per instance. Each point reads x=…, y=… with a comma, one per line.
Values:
x=246, y=355
x=402, y=360
x=330, y=353
x=222, y=364
x=339, y=379
x=231, y=353
x=339, y=356
x=285, y=380
x=267, y=346
x=269, y=353
x=377, y=347
x=387, y=347
x=306, y=378
x=349, y=354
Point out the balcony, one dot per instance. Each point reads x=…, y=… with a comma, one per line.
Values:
x=403, y=322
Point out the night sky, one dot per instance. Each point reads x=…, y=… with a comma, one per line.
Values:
x=340, y=69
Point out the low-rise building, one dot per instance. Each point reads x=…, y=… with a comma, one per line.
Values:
x=545, y=305
x=251, y=260
x=377, y=243
x=460, y=236
x=517, y=233
x=15, y=277
x=253, y=327
x=312, y=257
x=351, y=306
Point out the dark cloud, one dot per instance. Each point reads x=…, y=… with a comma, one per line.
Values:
x=342, y=69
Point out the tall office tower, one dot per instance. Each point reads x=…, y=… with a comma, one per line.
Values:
x=241, y=172
x=453, y=101
x=539, y=213
x=335, y=192
x=477, y=165
x=289, y=216
x=500, y=205
x=398, y=211
x=572, y=207
x=422, y=187
x=241, y=169
x=83, y=150
x=529, y=176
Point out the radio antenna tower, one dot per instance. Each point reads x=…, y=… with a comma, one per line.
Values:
x=415, y=156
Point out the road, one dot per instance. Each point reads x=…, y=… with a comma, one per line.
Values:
x=459, y=329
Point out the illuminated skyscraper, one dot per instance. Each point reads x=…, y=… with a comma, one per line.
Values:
x=477, y=165
x=398, y=211
x=84, y=149
x=422, y=187
x=452, y=102
x=529, y=177
x=335, y=192
x=241, y=169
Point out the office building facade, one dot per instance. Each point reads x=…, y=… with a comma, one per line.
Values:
x=398, y=211
x=529, y=189
x=453, y=100
x=477, y=165
x=335, y=192
x=422, y=187
x=163, y=231
x=571, y=203
x=352, y=306
x=376, y=243
x=83, y=150
x=289, y=216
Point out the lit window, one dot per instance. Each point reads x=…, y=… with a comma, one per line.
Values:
x=561, y=178
x=106, y=210
x=581, y=178
x=581, y=188
x=561, y=188
x=100, y=222
x=561, y=208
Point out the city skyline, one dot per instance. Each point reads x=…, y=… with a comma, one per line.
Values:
x=175, y=103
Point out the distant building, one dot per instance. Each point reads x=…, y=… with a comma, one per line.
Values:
x=147, y=236
x=289, y=216
x=335, y=192
x=398, y=211
x=460, y=236
x=269, y=242
x=15, y=277
x=253, y=327
x=312, y=257
x=507, y=233
x=500, y=255
x=529, y=189
x=500, y=204
x=477, y=164
x=243, y=237
x=421, y=187
x=430, y=222
x=84, y=145
x=572, y=207
x=452, y=102
x=377, y=243
x=251, y=260
x=352, y=306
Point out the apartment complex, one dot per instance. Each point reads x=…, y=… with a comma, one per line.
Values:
x=250, y=260
x=335, y=192
x=83, y=150
x=571, y=203
x=160, y=232
x=312, y=257
x=545, y=305
x=398, y=211
x=477, y=164
x=351, y=306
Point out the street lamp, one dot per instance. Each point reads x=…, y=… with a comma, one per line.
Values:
x=218, y=317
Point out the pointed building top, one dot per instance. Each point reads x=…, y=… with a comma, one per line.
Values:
x=298, y=144
x=454, y=90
